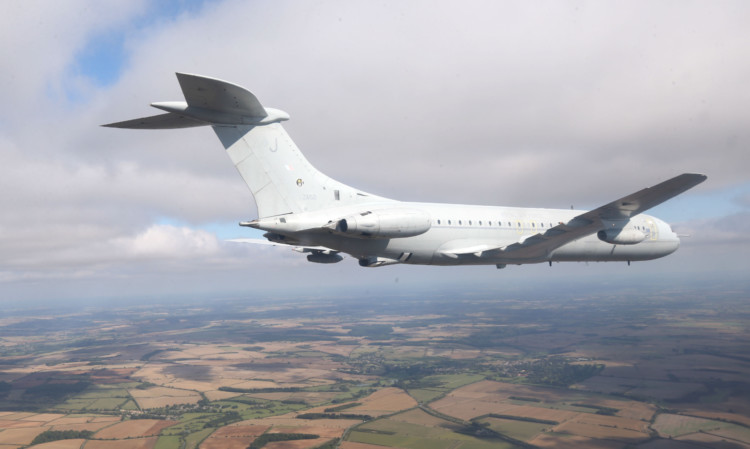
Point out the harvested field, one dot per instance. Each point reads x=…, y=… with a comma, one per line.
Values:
x=419, y=417
x=61, y=444
x=385, y=401
x=605, y=427
x=20, y=436
x=354, y=445
x=134, y=428
x=133, y=443
x=83, y=419
x=296, y=444
x=669, y=425
x=558, y=441
x=233, y=437
x=219, y=395
x=16, y=424
x=162, y=397
x=43, y=417
x=667, y=444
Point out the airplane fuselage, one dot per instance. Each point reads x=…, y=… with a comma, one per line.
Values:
x=456, y=226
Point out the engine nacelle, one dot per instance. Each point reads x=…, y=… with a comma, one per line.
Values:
x=621, y=236
x=383, y=224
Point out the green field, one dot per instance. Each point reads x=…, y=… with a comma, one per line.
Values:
x=390, y=432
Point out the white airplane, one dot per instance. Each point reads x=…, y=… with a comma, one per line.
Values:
x=305, y=209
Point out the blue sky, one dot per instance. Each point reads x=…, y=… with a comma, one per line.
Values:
x=504, y=103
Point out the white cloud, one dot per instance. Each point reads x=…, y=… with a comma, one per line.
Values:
x=169, y=242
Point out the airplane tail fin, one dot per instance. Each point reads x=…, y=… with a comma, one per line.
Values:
x=279, y=176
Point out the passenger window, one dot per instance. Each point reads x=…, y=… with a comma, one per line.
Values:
x=449, y=222
x=469, y=222
x=480, y=222
x=438, y=221
x=459, y=222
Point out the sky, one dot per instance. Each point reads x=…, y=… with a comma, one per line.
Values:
x=528, y=103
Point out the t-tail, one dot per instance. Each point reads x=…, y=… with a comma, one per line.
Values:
x=278, y=175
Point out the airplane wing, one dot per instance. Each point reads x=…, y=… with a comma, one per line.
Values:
x=592, y=221
x=300, y=249
x=540, y=245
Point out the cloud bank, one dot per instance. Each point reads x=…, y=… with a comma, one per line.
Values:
x=501, y=103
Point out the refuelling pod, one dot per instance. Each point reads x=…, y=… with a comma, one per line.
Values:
x=621, y=236
x=324, y=258
x=383, y=224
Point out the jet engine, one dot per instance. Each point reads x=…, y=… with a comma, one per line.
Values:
x=383, y=224
x=621, y=236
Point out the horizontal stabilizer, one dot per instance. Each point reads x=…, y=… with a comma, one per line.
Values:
x=169, y=120
x=208, y=101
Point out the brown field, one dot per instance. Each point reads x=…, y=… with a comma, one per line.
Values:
x=572, y=442
x=316, y=429
x=609, y=427
x=233, y=437
x=216, y=395
x=61, y=444
x=711, y=440
x=20, y=436
x=385, y=401
x=353, y=445
x=16, y=424
x=133, y=443
x=134, y=428
x=328, y=428
x=296, y=444
x=161, y=397
x=43, y=417
x=83, y=419
x=419, y=417
x=93, y=426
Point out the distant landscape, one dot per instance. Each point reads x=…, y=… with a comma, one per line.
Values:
x=647, y=369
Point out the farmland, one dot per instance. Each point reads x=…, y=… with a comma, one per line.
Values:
x=657, y=371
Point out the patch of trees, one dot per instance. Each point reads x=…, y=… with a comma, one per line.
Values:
x=269, y=437
x=600, y=410
x=55, y=435
x=517, y=418
x=524, y=398
x=338, y=408
x=261, y=390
